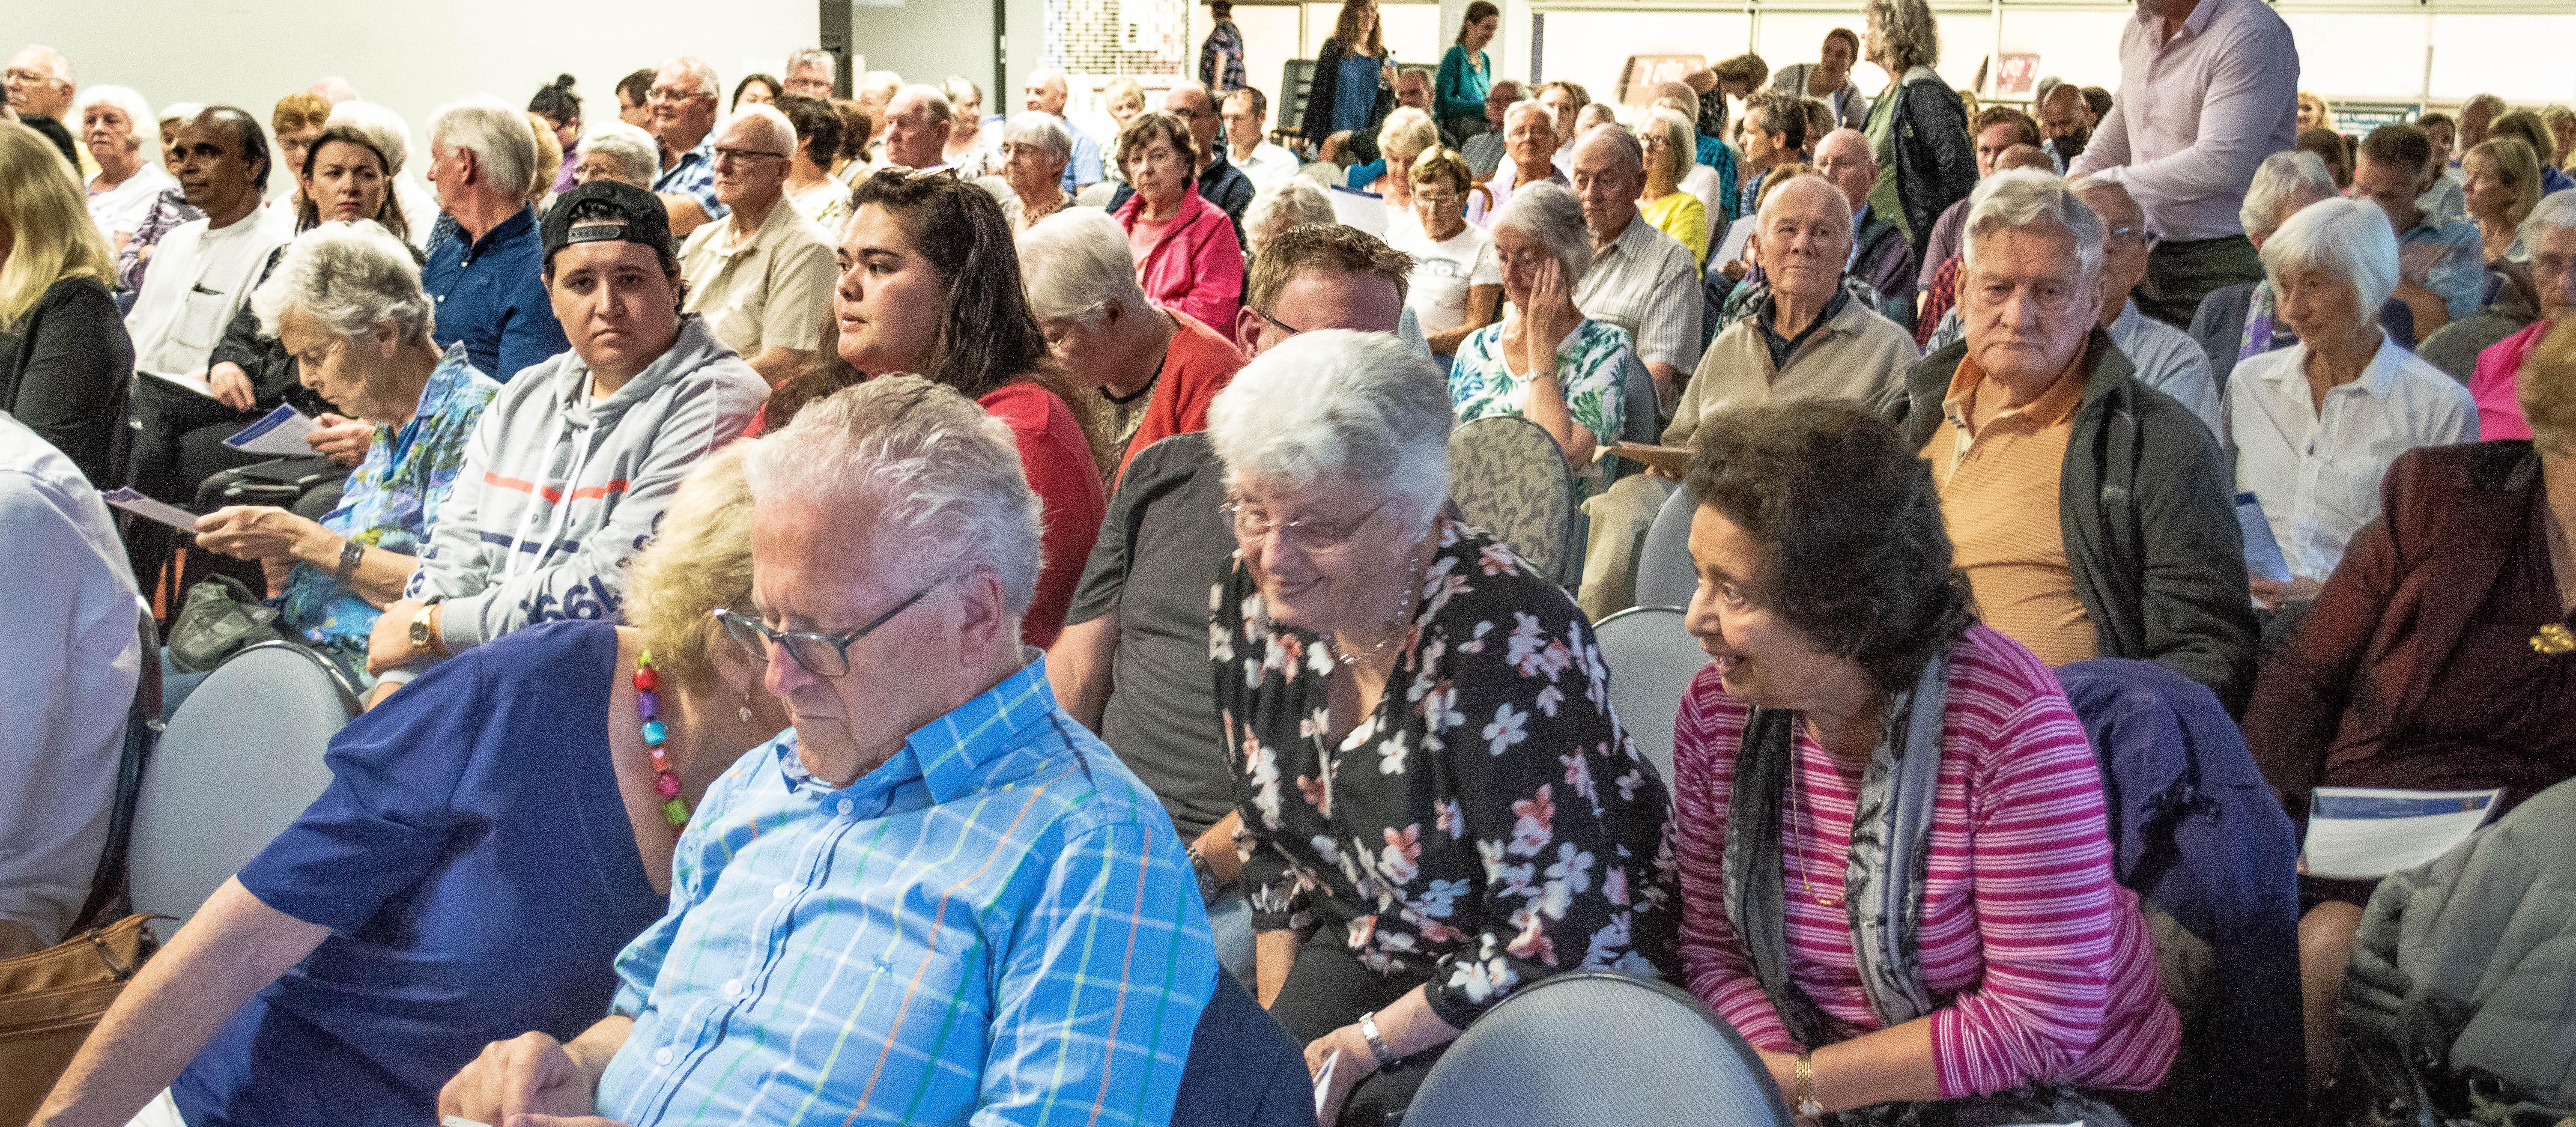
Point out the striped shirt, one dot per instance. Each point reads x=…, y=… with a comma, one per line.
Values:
x=2040, y=965
x=1645, y=282
x=996, y=925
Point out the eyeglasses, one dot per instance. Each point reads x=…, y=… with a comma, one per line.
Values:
x=823, y=655
x=2135, y=232
x=1436, y=199
x=673, y=94
x=1282, y=326
x=743, y=156
x=1252, y=526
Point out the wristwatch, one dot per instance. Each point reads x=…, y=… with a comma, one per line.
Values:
x=422, y=636
x=1209, y=887
x=1378, y=1047
x=1805, y=1073
x=351, y=553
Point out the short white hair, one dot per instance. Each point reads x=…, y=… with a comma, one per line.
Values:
x=497, y=135
x=934, y=480
x=1530, y=106
x=697, y=72
x=138, y=113
x=926, y=97
x=54, y=60
x=180, y=111
x=779, y=131
x=350, y=277
x=1549, y=213
x=1077, y=267
x=803, y=57
x=1408, y=131
x=1363, y=406
x=390, y=133
x=1290, y=203
x=2027, y=197
x=2277, y=179
x=638, y=158
x=2556, y=211
x=2347, y=238
x=1041, y=129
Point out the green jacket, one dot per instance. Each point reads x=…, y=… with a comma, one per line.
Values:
x=2151, y=532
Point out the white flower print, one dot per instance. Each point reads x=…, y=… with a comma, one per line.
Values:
x=1607, y=943
x=1614, y=885
x=1475, y=643
x=1629, y=784
x=1507, y=728
x=1571, y=874
x=1399, y=862
x=1450, y=820
x=1220, y=643
x=1549, y=699
x=1391, y=753
x=1578, y=774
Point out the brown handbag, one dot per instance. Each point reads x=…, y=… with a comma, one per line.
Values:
x=49, y=1001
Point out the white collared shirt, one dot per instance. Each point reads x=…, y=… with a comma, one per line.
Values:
x=1269, y=164
x=2168, y=360
x=2317, y=473
x=199, y=278
x=1646, y=282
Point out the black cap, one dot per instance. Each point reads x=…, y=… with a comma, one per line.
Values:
x=638, y=217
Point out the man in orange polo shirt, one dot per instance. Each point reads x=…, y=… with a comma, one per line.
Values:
x=2090, y=512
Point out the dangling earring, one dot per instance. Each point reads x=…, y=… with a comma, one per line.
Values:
x=745, y=711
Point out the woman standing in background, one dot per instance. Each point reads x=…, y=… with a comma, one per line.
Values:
x=1354, y=86
x=1466, y=75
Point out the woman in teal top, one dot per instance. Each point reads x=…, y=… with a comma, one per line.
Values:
x=1466, y=74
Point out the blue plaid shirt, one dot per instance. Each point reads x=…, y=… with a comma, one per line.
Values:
x=997, y=925
x=693, y=174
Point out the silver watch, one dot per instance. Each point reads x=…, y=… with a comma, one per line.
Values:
x=1386, y=1057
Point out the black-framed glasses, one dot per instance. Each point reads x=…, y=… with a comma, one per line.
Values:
x=743, y=156
x=823, y=655
x=1282, y=326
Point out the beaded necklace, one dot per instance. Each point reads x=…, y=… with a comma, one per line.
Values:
x=648, y=708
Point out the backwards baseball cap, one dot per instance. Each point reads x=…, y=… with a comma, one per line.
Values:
x=605, y=211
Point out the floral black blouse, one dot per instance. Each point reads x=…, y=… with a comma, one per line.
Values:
x=1488, y=825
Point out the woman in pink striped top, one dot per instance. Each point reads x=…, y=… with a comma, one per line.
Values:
x=2003, y=965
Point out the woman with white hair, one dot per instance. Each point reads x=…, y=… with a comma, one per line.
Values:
x=344, y=305
x=1546, y=360
x=2237, y=322
x=614, y=150
x=1294, y=202
x=2313, y=427
x=169, y=210
x=1035, y=148
x=1407, y=134
x=1154, y=369
x=1466, y=815
x=1669, y=146
x=2549, y=232
x=116, y=127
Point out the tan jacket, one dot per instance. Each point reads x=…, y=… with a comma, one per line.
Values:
x=1858, y=355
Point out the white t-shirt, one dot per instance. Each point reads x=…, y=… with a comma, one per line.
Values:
x=123, y=207
x=1444, y=271
x=199, y=278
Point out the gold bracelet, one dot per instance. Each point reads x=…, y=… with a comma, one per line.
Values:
x=1806, y=1080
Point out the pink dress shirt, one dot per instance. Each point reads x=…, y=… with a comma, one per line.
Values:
x=2492, y=384
x=2040, y=963
x=2196, y=115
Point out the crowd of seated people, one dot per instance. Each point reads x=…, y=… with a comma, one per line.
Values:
x=876, y=608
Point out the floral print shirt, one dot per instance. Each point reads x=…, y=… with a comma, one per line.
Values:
x=1487, y=826
x=1591, y=367
x=388, y=503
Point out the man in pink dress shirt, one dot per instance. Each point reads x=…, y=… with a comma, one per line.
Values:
x=2208, y=88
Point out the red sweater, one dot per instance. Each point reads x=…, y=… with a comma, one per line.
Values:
x=2040, y=963
x=1057, y=460
x=1199, y=363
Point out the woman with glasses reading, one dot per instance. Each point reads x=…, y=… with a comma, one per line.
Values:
x=491, y=839
x=1425, y=759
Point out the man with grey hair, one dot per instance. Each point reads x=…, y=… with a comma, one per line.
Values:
x=917, y=121
x=1484, y=151
x=994, y=911
x=762, y=276
x=39, y=84
x=485, y=279
x=2166, y=358
x=1883, y=256
x=2089, y=512
x=1047, y=93
x=614, y=150
x=810, y=71
x=683, y=103
x=1641, y=279
x=1530, y=141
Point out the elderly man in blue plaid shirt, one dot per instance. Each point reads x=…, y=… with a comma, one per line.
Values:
x=938, y=899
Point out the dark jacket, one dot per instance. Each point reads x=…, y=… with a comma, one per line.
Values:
x=2151, y=535
x=65, y=370
x=1317, y=122
x=272, y=372
x=1936, y=163
x=1220, y=183
x=2196, y=834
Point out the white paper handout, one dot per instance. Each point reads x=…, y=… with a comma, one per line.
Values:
x=2365, y=833
x=124, y=497
x=193, y=381
x=281, y=432
x=2262, y=553
x=1324, y=1081
x=1364, y=210
x=1739, y=235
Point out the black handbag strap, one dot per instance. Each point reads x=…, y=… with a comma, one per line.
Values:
x=107, y=887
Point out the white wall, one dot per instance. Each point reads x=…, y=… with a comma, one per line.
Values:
x=413, y=58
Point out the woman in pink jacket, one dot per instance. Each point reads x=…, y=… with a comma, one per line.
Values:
x=1186, y=254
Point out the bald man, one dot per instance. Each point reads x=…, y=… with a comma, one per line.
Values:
x=1641, y=279
x=1046, y=93
x=1885, y=259
x=2166, y=358
x=917, y=120
x=1807, y=337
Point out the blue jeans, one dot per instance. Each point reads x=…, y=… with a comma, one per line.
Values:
x=1230, y=927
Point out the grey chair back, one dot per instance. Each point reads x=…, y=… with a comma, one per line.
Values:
x=1509, y=478
x=1665, y=575
x=1599, y=1049
x=1652, y=660
x=240, y=760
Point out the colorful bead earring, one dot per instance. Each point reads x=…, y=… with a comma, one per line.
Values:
x=648, y=708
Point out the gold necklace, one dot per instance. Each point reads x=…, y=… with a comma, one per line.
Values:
x=1796, y=807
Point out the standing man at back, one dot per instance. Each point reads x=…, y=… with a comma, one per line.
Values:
x=2208, y=88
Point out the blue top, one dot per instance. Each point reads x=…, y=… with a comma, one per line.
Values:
x=1463, y=83
x=475, y=864
x=1355, y=94
x=693, y=174
x=389, y=502
x=492, y=296
x=2553, y=180
x=997, y=922
x=1085, y=167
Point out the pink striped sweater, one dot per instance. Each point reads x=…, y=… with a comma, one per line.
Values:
x=2040, y=963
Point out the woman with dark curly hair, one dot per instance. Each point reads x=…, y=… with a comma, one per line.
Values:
x=930, y=286
x=1895, y=867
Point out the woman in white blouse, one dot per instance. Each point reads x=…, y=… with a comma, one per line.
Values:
x=116, y=127
x=2313, y=427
